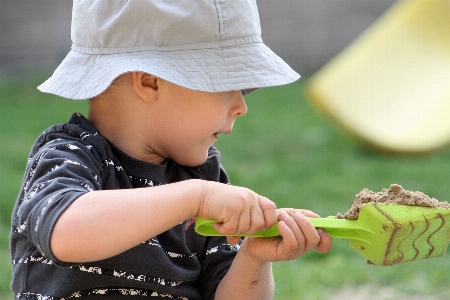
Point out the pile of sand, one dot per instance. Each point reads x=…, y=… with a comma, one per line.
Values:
x=394, y=195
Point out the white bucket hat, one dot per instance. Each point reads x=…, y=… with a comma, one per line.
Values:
x=206, y=45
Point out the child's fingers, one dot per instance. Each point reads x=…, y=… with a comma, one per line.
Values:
x=326, y=242
x=308, y=231
x=255, y=221
x=301, y=230
x=252, y=217
x=228, y=226
x=269, y=210
x=238, y=210
x=292, y=211
x=290, y=247
x=259, y=214
x=295, y=233
x=308, y=213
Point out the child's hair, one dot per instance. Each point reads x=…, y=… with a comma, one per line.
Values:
x=205, y=45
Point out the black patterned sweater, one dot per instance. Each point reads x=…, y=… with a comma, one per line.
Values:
x=71, y=159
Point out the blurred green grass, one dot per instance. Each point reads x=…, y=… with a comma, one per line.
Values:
x=283, y=150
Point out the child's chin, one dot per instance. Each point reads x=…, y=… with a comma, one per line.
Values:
x=193, y=161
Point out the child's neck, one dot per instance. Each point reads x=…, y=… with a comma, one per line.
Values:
x=120, y=125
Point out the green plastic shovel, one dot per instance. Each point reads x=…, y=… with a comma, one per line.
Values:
x=385, y=234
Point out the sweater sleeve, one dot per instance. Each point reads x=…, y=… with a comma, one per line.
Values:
x=56, y=175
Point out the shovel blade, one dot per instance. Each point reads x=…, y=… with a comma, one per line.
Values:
x=403, y=233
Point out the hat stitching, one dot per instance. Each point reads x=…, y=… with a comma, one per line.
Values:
x=178, y=59
x=211, y=60
x=132, y=68
x=220, y=19
x=139, y=66
x=222, y=43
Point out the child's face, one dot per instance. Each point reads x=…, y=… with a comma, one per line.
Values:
x=189, y=122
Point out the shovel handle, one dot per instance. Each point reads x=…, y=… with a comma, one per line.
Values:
x=337, y=228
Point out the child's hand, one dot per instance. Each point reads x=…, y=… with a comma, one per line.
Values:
x=237, y=209
x=298, y=236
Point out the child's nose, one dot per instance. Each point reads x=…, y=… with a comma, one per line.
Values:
x=239, y=107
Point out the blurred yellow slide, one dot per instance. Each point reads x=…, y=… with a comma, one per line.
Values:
x=390, y=88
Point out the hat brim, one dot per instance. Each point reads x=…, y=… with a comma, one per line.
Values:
x=246, y=67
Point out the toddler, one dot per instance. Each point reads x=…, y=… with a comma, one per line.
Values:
x=107, y=200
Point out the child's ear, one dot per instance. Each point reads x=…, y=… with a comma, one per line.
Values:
x=145, y=85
